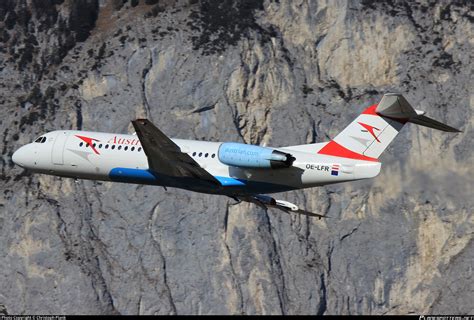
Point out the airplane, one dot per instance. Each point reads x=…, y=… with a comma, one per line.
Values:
x=241, y=171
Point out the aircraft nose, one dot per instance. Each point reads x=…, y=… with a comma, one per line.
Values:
x=19, y=157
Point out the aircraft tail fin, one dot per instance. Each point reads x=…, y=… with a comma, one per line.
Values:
x=373, y=130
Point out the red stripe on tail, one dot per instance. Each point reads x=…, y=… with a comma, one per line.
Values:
x=371, y=110
x=333, y=148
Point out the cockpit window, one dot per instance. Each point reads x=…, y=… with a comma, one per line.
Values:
x=40, y=140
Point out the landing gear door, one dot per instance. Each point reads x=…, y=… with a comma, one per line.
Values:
x=57, y=153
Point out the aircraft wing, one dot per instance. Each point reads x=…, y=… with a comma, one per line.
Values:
x=165, y=157
x=288, y=207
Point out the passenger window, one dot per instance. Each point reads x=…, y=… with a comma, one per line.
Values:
x=119, y=147
x=132, y=149
x=80, y=144
x=112, y=147
x=200, y=154
x=194, y=154
x=206, y=155
x=139, y=149
x=125, y=148
x=106, y=146
x=93, y=145
x=213, y=155
x=100, y=146
x=87, y=145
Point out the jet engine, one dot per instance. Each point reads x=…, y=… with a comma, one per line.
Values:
x=250, y=156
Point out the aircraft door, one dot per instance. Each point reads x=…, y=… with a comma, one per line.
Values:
x=57, y=152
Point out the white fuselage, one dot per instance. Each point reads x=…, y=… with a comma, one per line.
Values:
x=120, y=157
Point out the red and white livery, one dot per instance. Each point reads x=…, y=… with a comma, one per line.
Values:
x=243, y=172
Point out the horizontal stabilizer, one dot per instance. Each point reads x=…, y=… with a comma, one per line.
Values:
x=428, y=122
x=395, y=106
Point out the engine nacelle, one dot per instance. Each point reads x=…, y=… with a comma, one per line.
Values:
x=250, y=156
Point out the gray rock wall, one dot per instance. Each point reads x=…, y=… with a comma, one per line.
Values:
x=263, y=72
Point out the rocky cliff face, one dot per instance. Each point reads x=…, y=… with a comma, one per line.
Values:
x=263, y=72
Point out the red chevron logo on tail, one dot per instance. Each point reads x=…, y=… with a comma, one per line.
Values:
x=370, y=129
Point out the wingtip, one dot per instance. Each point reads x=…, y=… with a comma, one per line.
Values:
x=451, y=129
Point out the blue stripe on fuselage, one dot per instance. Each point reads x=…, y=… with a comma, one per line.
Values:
x=133, y=176
x=230, y=182
x=231, y=185
x=249, y=186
